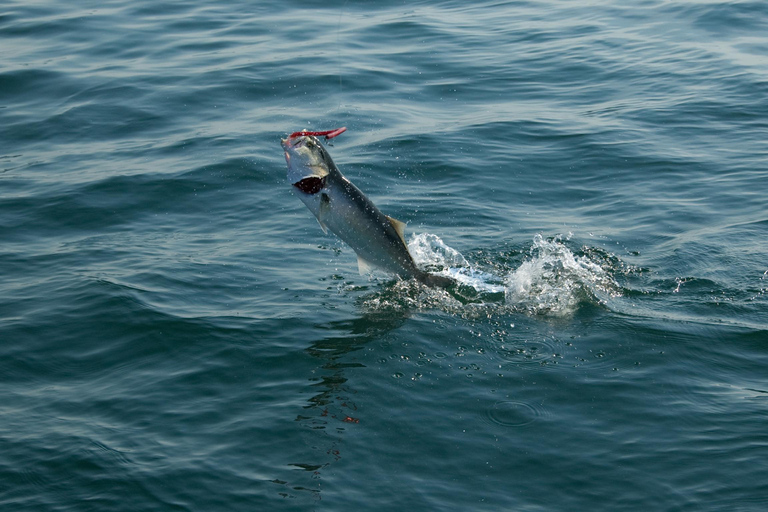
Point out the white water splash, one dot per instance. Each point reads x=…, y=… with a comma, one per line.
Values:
x=430, y=252
x=552, y=280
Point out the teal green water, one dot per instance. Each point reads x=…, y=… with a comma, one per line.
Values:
x=177, y=333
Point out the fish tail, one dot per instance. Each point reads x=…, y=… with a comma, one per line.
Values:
x=435, y=280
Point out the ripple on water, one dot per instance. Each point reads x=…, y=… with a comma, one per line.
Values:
x=514, y=414
x=535, y=353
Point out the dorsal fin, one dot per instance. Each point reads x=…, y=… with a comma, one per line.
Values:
x=399, y=228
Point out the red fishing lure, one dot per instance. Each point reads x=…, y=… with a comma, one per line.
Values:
x=329, y=134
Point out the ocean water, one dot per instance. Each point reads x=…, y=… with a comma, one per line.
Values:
x=177, y=333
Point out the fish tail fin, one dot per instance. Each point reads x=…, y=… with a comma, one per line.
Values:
x=435, y=281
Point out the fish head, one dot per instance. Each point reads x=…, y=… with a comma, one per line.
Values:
x=308, y=163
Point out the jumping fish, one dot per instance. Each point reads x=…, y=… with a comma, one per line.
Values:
x=343, y=209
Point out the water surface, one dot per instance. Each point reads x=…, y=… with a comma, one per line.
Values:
x=177, y=333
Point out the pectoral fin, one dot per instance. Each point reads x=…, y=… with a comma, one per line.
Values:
x=399, y=228
x=363, y=266
x=324, y=211
x=323, y=226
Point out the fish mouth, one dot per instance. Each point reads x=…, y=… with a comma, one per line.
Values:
x=292, y=147
x=287, y=147
x=293, y=143
x=288, y=143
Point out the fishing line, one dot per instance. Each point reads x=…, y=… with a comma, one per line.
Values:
x=338, y=51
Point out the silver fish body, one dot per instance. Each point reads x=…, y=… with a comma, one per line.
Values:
x=342, y=208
